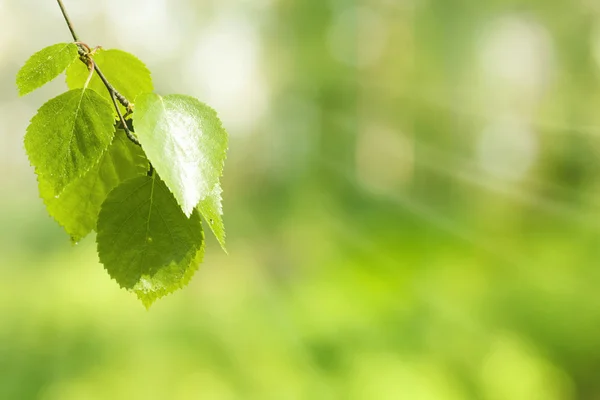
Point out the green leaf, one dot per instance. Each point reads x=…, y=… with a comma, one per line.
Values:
x=124, y=71
x=212, y=211
x=143, y=234
x=68, y=135
x=77, y=207
x=167, y=280
x=185, y=142
x=45, y=65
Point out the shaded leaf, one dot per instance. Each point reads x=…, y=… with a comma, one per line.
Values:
x=77, y=207
x=124, y=71
x=186, y=143
x=45, y=65
x=167, y=280
x=212, y=211
x=143, y=234
x=68, y=135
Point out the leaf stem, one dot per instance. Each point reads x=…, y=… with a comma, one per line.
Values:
x=114, y=94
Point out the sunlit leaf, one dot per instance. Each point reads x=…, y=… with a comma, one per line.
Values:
x=68, y=136
x=186, y=143
x=77, y=207
x=149, y=229
x=143, y=236
x=125, y=72
x=45, y=65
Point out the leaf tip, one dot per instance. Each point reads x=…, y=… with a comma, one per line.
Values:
x=147, y=302
x=22, y=89
x=222, y=243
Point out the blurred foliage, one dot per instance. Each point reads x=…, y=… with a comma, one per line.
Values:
x=413, y=217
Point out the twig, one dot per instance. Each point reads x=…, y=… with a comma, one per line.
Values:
x=114, y=95
x=68, y=20
x=110, y=88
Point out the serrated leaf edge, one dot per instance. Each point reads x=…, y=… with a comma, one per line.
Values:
x=193, y=262
x=81, y=173
x=74, y=240
x=222, y=164
x=33, y=55
x=220, y=211
x=185, y=279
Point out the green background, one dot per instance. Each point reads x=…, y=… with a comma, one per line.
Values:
x=411, y=198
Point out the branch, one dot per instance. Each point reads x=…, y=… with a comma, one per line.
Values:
x=114, y=95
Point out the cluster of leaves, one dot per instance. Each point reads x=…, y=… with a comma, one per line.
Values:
x=144, y=195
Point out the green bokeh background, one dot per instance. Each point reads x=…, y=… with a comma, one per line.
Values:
x=411, y=198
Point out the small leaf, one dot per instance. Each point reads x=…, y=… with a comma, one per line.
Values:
x=124, y=71
x=77, y=207
x=68, y=135
x=167, y=280
x=143, y=234
x=45, y=65
x=186, y=143
x=212, y=211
